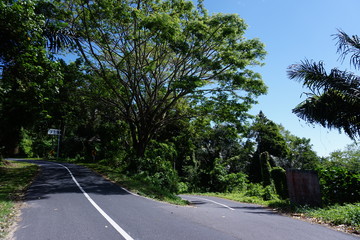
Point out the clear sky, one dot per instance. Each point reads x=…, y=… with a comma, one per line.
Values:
x=292, y=31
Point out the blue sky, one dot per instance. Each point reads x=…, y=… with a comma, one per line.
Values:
x=294, y=31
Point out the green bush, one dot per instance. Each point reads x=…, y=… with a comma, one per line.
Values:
x=265, y=193
x=26, y=144
x=43, y=146
x=339, y=185
x=270, y=193
x=278, y=175
x=182, y=187
x=235, y=182
x=157, y=164
x=254, y=190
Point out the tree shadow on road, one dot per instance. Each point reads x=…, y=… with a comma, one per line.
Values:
x=55, y=179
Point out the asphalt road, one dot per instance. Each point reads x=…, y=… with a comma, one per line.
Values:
x=69, y=202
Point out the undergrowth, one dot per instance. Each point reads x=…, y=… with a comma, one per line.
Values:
x=348, y=214
x=15, y=177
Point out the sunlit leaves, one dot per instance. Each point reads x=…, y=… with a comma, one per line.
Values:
x=163, y=51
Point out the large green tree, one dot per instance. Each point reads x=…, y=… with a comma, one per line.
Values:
x=300, y=155
x=349, y=158
x=152, y=55
x=268, y=137
x=29, y=77
x=334, y=100
x=270, y=143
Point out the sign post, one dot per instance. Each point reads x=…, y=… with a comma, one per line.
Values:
x=56, y=132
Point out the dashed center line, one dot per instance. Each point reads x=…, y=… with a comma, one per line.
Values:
x=208, y=200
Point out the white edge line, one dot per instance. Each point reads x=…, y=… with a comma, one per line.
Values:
x=107, y=217
x=205, y=199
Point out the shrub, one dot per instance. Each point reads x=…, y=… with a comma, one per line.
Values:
x=257, y=190
x=278, y=175
x=254, y=190
x=270, y=193
x=157, y=165
x=235, y=182
x=182, y=187
x=26, y=144
x=339, y=185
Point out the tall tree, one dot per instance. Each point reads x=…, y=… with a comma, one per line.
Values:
x=27, y=76
x=334, y=101
x=150, y=55
x=29, y=32
x=349, y=158
x=268, y=139
x=300, y=154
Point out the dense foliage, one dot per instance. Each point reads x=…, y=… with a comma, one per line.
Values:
x=339, y=185
x=340, y=176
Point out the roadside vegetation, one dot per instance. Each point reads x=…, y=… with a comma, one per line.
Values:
x=347, y=216
x=339, y=186
x=156, y=95
x=139, y=184
x=15, y=177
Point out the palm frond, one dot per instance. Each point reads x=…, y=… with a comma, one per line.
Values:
x=332, y=110
x=314, y=76
x=311, y=74
x=345, y=82
x=58, y=35
x=335, y=98
x=58, y=39
x=349, y=45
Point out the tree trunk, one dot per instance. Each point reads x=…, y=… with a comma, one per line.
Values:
x=140, y=141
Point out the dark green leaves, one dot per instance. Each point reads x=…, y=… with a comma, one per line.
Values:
x=334, y=101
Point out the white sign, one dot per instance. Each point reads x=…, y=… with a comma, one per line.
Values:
x=54, y=132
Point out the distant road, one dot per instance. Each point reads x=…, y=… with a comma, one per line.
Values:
x=70, y=202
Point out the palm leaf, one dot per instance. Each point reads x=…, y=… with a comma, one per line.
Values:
x=58, y=39
x=332, y=110
x=349, y=45
x=314, y=76
x=335, y=98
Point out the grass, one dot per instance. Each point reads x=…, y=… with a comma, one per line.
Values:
x=347, y=215
x=15, y=177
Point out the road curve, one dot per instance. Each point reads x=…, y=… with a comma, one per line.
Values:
x=68, y=202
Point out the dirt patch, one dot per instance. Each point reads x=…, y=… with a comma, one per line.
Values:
x=15, y=219
x=5, y=163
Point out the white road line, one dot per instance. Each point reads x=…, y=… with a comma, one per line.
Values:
x=208, y=200
x=107, y=217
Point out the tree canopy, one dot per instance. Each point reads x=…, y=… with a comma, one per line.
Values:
x=151, y=55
